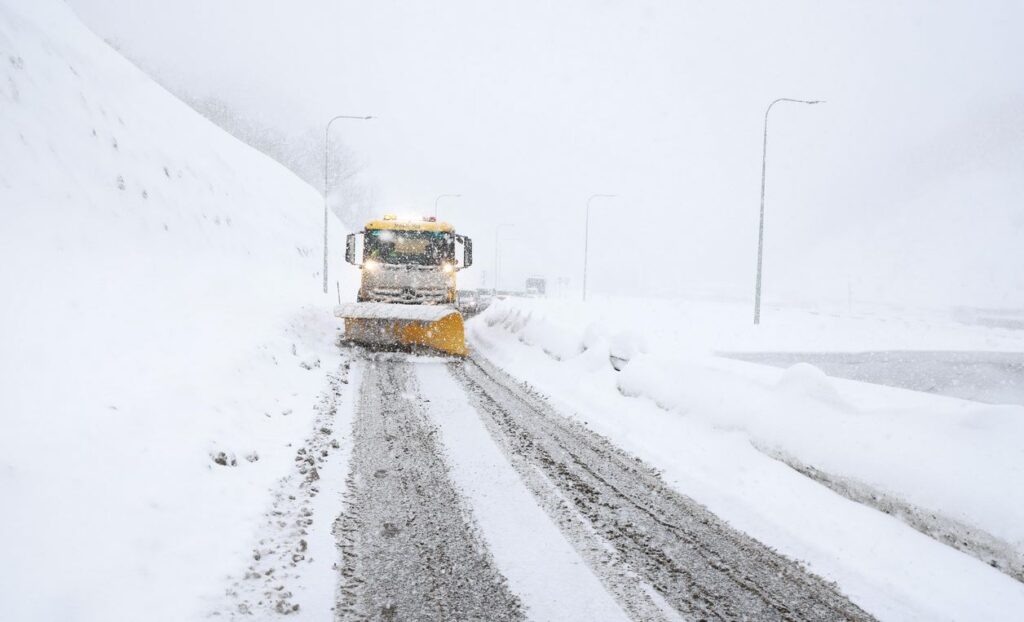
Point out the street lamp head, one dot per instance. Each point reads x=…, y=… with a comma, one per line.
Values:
x=795, y=101
x=441, y=196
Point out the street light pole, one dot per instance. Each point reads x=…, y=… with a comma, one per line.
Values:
x=327, y=152
x=586, y=238
x=497, y=230
x=760, y=226
x=441, y=196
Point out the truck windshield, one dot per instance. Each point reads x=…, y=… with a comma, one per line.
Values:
x=425, y=248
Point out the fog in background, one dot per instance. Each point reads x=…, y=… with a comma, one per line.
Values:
x=906, y=187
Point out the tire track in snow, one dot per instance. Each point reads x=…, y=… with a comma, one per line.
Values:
x=695, y=563
x=410, y=550
x=554, y=583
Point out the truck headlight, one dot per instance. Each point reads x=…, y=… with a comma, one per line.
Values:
x=448, y=268
x=371, y=264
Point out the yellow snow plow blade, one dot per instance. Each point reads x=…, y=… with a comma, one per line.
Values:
x=388, y=325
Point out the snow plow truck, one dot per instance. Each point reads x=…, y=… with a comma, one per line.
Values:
x=407, y=291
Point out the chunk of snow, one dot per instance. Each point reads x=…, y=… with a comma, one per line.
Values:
x=806, y=379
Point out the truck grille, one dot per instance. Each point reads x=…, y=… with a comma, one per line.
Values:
x=398, y=294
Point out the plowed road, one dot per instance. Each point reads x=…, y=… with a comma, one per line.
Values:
x=470, y=498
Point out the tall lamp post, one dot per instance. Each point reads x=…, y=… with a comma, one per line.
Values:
x=441, y=196
x=760, y=226
x=497, y=231
x=327, y=153
x=586, y=237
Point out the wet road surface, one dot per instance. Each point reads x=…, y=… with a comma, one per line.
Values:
x=409, y=548
x=990, y=377
x=411, y=551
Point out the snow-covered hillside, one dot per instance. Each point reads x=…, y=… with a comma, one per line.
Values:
x=160, y=303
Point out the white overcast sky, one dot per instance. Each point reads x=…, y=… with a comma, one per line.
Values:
x=906, y=186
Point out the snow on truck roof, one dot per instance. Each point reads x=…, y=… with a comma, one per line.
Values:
x=408, y=224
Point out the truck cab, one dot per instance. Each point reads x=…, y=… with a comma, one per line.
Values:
x=408, y=261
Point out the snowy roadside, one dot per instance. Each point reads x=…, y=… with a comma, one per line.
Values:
x=699, y=327
x=164, y=333
x=943, y=455
x=143, y=509
x=292, y=568
x=699, y=419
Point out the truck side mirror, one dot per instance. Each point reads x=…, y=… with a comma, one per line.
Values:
x=467, y=251
x=350, y=248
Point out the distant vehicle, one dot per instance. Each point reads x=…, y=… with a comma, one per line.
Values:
x=536, y=286
x=468, y=301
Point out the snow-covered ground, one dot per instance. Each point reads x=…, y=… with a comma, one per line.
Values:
x=725, y=432
x=161, y=305
x=170, y=392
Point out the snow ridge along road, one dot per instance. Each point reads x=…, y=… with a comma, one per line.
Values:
x=410, y=549
x=696, y=564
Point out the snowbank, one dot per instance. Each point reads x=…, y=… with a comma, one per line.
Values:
x=705, y=326
x=948, y=465
x=163, y=329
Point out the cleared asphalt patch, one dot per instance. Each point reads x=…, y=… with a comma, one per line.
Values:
x=990, y=377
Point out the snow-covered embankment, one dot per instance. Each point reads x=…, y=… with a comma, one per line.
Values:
x=160, y=304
